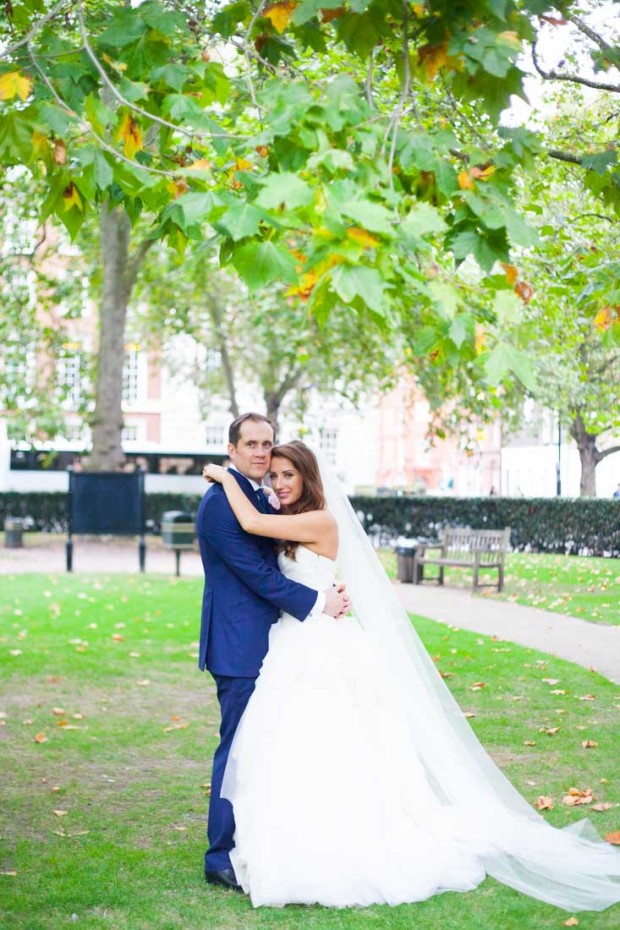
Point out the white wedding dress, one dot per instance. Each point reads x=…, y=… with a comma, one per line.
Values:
x=332, y=804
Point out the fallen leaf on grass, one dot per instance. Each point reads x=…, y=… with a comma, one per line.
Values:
x=576, y=797
x=589, y=744
x=58, y=711
x=587, y=697
x=571, y=922
x=603, y=806
x=177, y=827
x=469, y=713
x=10, y=873
x=143, y=683
x=529, y=742
x=613, y=838
x=551, y=731
x=551, y=681
x=40, y=738
x=447, y=674
x=60, y=813
x=176, y=726
x=478, y=686
x=543, y=803
x=559, y=691
x=117, y=637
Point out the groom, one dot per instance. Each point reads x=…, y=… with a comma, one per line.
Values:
x=244, y=594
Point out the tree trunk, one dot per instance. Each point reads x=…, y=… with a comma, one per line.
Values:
x=589, y=456
x=216, y=316
x=119, y=275
x=273, y=402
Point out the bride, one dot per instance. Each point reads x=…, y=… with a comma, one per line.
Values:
x=354, y=778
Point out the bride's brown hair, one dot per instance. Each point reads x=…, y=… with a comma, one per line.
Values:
x=312, y=496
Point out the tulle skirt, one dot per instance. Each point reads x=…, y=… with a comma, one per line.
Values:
x=332, y=804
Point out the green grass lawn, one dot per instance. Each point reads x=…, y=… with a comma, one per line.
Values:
x=588, y=588
x=107, y=731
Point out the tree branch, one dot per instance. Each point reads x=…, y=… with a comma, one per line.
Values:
x=612, y=449
x=572, y=78
x=565, y=156
x=40, y=23
x=589, y=32
x=190, y=133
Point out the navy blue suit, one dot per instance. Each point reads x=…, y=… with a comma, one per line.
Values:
x=244, y=594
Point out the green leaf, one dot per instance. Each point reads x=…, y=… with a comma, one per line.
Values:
x=445, y=297
x=459, y=329
x=285, y=190
x=225, y=22
x=261, y=263
x=505, y=359
x=422, y=220
x=372, y=216
x=240, y=221
x=310, y=8
x=366, y=283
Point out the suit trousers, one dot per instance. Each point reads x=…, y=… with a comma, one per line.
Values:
x=233, y=695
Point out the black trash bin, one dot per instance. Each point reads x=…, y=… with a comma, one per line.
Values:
x=178, y=533
x=13, y=532
x=405, y=552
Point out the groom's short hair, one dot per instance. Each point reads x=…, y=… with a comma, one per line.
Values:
x=234, y=430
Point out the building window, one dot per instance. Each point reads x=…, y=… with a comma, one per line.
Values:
x=131, y=373
x=129, y=434
x=70, y=379
x=328, y=444
x=215, y=436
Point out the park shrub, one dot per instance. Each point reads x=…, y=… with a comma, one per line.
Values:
x=566, y=525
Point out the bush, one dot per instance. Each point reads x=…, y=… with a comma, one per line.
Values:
x=583, y=526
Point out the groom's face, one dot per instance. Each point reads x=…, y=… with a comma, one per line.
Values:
x=252, y=454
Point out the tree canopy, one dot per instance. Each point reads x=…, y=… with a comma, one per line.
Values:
x=352, y=153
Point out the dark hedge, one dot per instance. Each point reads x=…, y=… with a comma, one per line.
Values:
x=587, y=525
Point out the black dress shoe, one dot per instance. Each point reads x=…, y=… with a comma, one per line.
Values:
x=225, y=877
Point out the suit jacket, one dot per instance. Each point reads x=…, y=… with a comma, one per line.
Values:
x=244, y=589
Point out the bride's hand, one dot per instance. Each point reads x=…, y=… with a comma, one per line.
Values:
x=213, y=473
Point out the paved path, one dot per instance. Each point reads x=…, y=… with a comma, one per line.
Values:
x=589, y=644
x=593, y=645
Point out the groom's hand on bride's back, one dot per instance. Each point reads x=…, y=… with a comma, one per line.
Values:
x=337, y=601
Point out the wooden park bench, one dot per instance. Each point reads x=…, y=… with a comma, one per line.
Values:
x=461, y=547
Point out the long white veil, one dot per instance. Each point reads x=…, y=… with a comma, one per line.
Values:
x=571, y=868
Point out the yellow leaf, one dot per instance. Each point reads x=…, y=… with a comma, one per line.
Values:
x=279, y=14
x=71, y=197
x=481, y=339
x=177, y=188
x=603, y=319
x=130, y=135
x=419, y=9
x=201, y=165
x=362, y=237
x=14, y=84
x=511, y=272
x=432, y=58
x=465, y=181
x=482, y=173
x=613, y=837
x=242, y=164
x=40, y=738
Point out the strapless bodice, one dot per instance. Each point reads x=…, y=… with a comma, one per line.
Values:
x=309, y=568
